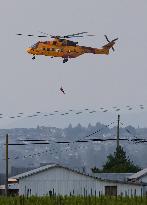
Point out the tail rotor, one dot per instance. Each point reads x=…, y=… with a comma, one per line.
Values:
x=111, y=43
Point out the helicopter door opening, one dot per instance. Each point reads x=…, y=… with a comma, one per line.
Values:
x=54, y=43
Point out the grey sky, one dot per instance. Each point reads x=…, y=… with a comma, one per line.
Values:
x=90, y=80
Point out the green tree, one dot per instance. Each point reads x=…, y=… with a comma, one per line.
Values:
x=118, y=163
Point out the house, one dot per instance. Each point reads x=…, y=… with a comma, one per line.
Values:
x=140, y=176
x=13, y=187
x=60, y=180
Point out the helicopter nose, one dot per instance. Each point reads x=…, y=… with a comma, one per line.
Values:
x=28, y=50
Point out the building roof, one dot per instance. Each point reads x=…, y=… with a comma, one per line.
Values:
x=34, y=171
x=113, y=176
x=12, y=180
x=139, y=174
x=49, y=166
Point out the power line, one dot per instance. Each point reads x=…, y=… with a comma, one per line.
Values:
x=21, y=115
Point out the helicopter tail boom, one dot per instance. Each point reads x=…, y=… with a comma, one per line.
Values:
x=106, y=48
x=109, y=45
x=102, y=51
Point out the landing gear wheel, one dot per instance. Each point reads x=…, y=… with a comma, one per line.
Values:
x=65, y=60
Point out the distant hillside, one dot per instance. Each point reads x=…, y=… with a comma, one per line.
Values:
x=74, y=154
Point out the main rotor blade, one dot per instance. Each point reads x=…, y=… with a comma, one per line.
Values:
x=30, y=35
x=57, y=36
x=42, y=36
x=90, y=35
x=77, y=35
x=65, y=36
x=74, y=34
x=71, y=36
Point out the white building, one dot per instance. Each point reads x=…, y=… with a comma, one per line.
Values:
x=59, y=180
x=140, y=176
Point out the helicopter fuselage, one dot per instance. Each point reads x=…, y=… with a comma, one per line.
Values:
x=63, y=48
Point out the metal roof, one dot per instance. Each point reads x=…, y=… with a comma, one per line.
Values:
x=138, y=174
x=46, y=167
x=113, y=176
x=34, y=171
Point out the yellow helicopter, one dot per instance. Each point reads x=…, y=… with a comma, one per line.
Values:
x=62, y=47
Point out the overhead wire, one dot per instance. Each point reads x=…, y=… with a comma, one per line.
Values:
x=45, y=114
x=50, y=142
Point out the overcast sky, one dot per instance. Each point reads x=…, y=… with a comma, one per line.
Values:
x=89, y=80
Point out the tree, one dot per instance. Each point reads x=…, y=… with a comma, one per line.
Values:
x=118, y=163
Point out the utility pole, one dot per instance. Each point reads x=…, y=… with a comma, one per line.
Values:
x=118, y=130
x=6, y=182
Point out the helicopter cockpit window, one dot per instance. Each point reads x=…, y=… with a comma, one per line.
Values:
x=71, y=43
x=34, y=45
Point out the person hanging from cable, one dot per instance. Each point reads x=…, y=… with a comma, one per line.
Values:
x=61, y=89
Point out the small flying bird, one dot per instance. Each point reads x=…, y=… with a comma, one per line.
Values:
x=105, y=110
x=92, y=111
x=78, y=113
x=117, y=109
x=61, y=89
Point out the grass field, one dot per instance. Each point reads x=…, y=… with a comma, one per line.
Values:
x=73, y=200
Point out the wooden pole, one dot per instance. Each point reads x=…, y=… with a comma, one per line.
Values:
x=6, y=182
x=118, y=130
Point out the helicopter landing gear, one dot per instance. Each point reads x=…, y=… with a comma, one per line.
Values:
x=33, y=58
x=65, y=60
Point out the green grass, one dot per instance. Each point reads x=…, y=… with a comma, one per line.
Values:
x=73, y=200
